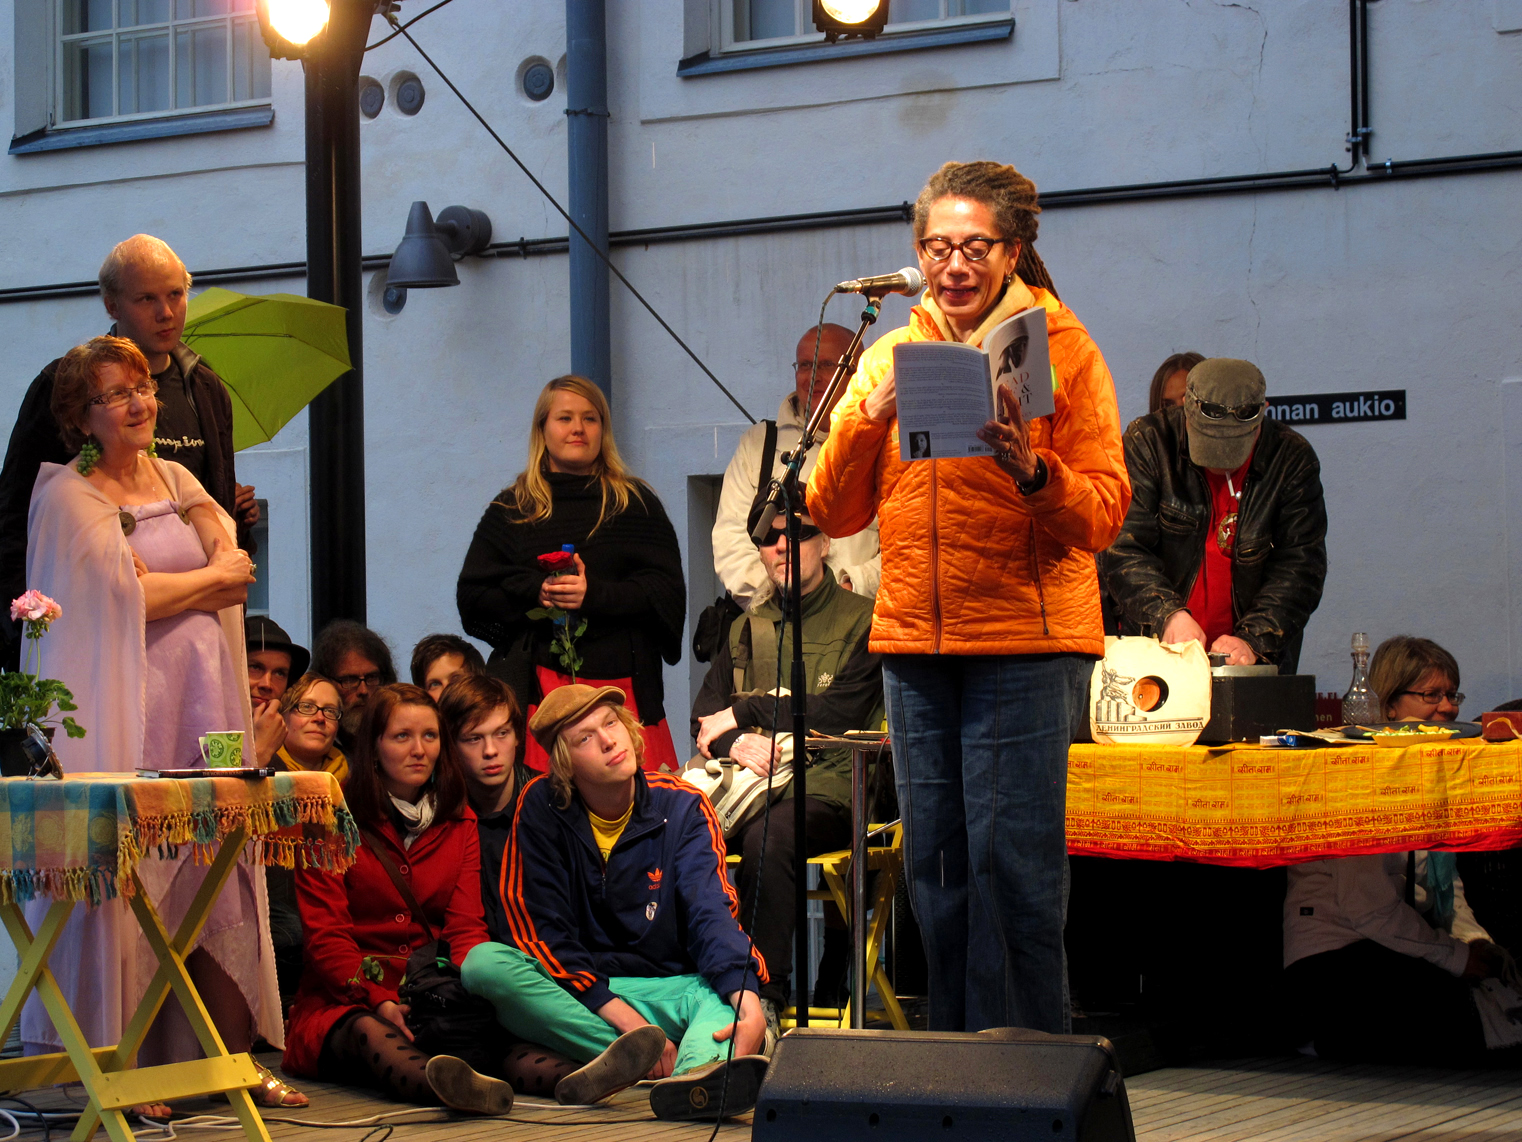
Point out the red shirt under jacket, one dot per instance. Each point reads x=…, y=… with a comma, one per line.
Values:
x=1210, y=599
x=345, y=919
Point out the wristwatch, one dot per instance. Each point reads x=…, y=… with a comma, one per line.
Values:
x=1037, y=480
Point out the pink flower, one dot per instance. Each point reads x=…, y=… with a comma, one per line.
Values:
x=35, y=607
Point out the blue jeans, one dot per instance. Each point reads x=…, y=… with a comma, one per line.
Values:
x=980, y=746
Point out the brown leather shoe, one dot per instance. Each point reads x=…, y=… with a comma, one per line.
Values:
x=627, y=1060
x=696, y=1094
x=461, y=1088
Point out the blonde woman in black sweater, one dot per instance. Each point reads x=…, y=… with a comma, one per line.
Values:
x=624, y=592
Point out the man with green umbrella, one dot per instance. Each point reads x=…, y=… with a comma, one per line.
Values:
x=145, y=288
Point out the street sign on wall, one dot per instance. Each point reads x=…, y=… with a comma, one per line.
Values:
x=1339, y=408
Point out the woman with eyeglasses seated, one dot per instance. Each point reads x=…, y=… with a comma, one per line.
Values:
x=146, y=568
x=1416, y=680
x=1383, y=955
x=988, y=615
x=617, y=610
x=312, y=710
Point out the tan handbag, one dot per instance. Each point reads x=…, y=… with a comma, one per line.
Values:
x=738, y=795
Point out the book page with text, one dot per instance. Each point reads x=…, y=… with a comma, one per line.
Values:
x=944, y=397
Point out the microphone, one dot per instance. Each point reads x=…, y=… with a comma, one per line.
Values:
x=908, y=280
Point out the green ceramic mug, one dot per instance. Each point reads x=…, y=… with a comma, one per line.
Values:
x=223, y=749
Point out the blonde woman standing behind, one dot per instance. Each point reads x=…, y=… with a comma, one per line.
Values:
x=626, y=582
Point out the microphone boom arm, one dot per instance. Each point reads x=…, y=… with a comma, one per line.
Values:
x=786, y=491
x=792, y=460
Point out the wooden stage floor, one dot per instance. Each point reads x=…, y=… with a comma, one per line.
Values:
x=1265, y=1100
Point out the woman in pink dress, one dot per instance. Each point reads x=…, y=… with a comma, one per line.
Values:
x=146, y=566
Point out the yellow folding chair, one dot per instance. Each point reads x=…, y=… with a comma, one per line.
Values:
x=835, y=870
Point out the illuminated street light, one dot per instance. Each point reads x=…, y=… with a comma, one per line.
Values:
x=293, y=23
x=842, y=19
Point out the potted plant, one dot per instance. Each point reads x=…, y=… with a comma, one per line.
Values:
x=27, y=700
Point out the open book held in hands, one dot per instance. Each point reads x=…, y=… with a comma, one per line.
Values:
x=946, y=390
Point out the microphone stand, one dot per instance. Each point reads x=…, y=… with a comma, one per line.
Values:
x=787, y=489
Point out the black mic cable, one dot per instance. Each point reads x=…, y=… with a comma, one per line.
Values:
x=766, y=825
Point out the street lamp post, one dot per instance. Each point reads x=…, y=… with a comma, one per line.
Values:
x=336, y=422
x=328, y=36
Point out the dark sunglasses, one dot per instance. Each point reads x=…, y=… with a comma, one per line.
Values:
x=1222, y=411
x=805, y=531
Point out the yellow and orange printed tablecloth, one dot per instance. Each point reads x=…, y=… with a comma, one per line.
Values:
x=1261, y=807
x=80, y=838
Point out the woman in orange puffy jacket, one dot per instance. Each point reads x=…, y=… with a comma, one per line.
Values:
x=988, y=614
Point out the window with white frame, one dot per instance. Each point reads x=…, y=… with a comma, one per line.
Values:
x=133, y=59
x=773, y=23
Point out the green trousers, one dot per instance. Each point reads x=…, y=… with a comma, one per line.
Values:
x=533, y=1007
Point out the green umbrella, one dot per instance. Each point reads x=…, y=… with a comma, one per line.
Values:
x=273, y=351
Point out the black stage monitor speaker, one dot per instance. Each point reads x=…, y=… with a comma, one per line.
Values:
x=1007, y=1084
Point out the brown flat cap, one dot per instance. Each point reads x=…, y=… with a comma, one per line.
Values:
x=567, y=704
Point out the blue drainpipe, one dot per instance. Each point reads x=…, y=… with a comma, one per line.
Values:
x=587, y=153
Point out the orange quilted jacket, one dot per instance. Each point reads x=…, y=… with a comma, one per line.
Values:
x=970, y=566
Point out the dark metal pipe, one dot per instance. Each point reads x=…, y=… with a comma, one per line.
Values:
x=336, y=418
x=799, y=684
x=860, y=973
x=1365, y=126
x=1393, y=170
x=1354, y=140
x=587, y=159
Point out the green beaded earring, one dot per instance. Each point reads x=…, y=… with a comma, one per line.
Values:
x=153, y=449
x=89, y=456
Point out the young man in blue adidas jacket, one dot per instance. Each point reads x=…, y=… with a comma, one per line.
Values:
x=615, y=882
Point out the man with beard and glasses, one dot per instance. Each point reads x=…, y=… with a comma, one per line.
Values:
x=359, y=662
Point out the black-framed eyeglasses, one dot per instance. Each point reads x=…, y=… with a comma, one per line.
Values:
x=1433, y=697
x=826, y=368
x=355, y=681
x=1222, y=411
x=806, y=531
x=308, y=708
x=113, y=398
x=974, y=249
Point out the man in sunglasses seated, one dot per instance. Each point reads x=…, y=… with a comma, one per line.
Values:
x=735, y=713
x=1225, y=540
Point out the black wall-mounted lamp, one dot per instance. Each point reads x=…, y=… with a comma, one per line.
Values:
x=428, y=251
x=842, y=19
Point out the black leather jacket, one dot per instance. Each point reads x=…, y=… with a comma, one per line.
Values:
x=1279, y=563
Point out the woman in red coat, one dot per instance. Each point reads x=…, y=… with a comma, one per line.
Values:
x=347, y=1021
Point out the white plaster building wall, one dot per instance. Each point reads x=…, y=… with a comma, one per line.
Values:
x=1410, y=285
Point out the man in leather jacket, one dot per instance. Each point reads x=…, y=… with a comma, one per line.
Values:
x=1225, y=539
